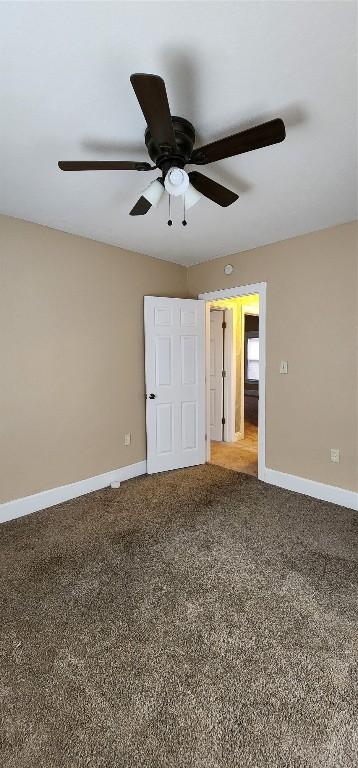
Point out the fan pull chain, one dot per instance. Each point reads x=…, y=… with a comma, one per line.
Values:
x=184, y=222
x=169, y=220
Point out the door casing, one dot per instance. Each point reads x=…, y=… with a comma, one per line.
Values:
x=231, y=293
x=216, y=393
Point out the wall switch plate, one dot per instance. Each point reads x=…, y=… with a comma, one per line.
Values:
x=335, y=455
x=283, y=366
x=127, y=438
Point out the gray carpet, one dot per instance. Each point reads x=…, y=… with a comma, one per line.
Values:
x=199, y=619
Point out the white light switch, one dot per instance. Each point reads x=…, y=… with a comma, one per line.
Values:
x=283, y=366
x=127, y=438
x=335, y=455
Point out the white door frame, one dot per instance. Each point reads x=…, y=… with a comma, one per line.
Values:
x=232, y=293
x=245, y=310
x=230, y=377
x=229, y=388
x=216, y=373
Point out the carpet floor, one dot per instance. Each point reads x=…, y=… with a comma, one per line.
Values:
x=198, y=619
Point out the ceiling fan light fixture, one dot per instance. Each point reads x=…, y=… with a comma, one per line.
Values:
x=176, y=181
x=191, y=197
x=154, y=192
x=170, y=139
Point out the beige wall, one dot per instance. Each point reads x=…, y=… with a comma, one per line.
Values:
x=71, y=355
x=311, y=322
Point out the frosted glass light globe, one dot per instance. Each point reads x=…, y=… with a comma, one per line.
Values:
x=176, y=181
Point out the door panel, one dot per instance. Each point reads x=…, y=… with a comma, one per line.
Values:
x=164, y=428
x=162, y=316
x=188, y=316
x=189, y=426
x=163, y=361
x=189, y=370
x=175, y=374
x=216, y=379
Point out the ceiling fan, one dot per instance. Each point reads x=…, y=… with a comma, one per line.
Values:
x=170, y=141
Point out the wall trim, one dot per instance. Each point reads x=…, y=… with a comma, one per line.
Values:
x=333, y=493
x=10, y=510
x=232, y=293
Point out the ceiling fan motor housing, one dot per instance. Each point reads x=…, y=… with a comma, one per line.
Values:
x=163, y=156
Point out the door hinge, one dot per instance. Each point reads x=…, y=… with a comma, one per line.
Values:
x=206, y=437
x=223, y=325
x=223, y=421
x=223, y=373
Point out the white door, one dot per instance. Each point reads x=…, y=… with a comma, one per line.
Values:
x=216, y=373
x=175, y=382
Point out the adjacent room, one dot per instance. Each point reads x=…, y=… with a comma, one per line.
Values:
x=234, y=366
x=179, y=384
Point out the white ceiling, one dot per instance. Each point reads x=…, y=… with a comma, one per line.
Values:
x=65, y=94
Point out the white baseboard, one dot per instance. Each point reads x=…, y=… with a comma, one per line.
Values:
x=341, y=496
x=28, y=504
x=19, y=507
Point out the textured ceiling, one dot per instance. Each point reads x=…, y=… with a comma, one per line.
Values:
x=65, y=94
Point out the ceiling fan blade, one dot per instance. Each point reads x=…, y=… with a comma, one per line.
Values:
x=211, y=189
x=104, y=165
x=254, y=138
x=141, y=207
x=152, y=96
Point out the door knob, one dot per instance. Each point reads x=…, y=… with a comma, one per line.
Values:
x=152, y=396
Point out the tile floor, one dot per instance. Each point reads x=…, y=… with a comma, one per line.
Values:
x=241, y=456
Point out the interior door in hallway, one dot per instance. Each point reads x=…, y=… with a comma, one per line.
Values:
x=216, y=373
x=175, y=382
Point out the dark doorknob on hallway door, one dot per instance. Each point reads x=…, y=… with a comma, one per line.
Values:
x=152, y=396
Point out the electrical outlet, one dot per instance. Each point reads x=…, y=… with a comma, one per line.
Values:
x=127, y=438
x=335, y=456
x=283, y=366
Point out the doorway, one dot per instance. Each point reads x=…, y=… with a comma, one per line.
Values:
x=241, y=443
x=177, y=374
x=234, y=373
